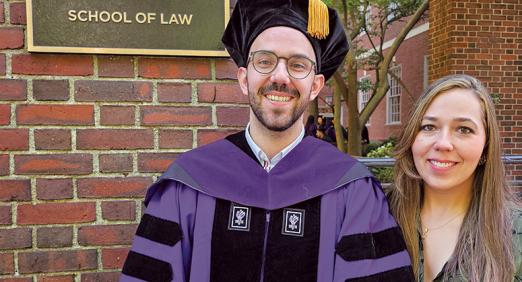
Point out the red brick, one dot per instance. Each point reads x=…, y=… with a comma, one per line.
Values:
x=52, y=139
x=100, y=277
x=174, y=68
x=54, y=188
x=61, y=278
x=56, y=213
x=2, y=17
x=153, y=115
x=15, y=238
x=54, y=237
x=113, y=187
x=13, y=89
x=51, y=90
x=155, y=162
x=115, y=163
x=112, y=235
x=115, y=139
x=119, y=210
x=232, y=116
x=4, y=164
x=114, y=258
x=5, y=114
x=206, y=136
x=15, y=190
x=11, y=38
x=113, y=91
x=49, y=64
x=54, y=164
x=5, y=215
x=117, y=115
x=17, y=13
x=226, y=69
x=6, y=263
x=14, y=139
x=2, y=63
x=115, y=66
x=175, y=92
x=55, y=114
x=26, y=279
x=221, y=93
x=175, y=139
x=57, y=261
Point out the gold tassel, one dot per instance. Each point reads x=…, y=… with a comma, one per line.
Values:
x=318, y=21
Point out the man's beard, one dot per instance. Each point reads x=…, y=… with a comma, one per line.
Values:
x=295, y=113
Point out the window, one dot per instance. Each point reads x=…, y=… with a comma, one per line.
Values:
x=393, y=105
x=392, y=11
x=364, y=95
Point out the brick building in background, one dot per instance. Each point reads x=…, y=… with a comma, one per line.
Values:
x=82, y=136
x=483, y=39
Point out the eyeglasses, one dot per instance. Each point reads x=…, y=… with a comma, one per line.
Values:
x=266, y=62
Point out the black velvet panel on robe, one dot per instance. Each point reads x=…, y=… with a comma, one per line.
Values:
x=294, y=258
x=238, y=255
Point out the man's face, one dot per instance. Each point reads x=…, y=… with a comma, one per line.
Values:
x=277, y=99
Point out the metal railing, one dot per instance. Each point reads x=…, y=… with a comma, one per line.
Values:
x=389, y=162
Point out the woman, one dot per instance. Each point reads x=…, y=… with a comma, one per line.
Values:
x=459, y=217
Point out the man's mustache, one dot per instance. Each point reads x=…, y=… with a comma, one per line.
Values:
x=279, y=88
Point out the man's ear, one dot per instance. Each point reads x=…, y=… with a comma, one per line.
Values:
x=317, y=85
x=242, y=79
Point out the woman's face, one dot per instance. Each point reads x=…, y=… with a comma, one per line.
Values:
x=450, y=142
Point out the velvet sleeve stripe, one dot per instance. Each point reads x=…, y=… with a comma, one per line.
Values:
x=147, y=268
x=371, y=245
x=159, y=230
x=402, y=274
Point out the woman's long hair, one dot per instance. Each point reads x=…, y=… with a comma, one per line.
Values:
x=484, y=247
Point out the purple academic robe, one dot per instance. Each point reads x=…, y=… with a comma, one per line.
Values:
x=217, y=215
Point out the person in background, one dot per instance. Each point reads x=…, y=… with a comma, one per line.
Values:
x=310, y=126
x=459, y=217
x=320, y=123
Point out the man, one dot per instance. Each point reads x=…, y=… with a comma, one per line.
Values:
x=257, y=206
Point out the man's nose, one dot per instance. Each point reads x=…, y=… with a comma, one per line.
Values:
x=280, y=74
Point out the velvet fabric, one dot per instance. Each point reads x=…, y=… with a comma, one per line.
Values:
x=251, y=17
x=349, y=202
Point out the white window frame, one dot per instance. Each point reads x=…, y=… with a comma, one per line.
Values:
x=393, y=97
x=392, y=7
x=364, y=97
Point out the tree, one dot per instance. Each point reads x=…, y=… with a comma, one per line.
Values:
x=368, y=19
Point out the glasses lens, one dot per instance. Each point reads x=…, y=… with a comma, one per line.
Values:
x=264, y=62
x=299, y=67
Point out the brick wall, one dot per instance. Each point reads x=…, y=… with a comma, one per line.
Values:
x=483, y=39
x=81, y=138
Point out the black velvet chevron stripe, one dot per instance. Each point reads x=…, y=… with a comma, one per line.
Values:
x=402, y=274
x=371, y=245
x=159, y=230
x=147, y=268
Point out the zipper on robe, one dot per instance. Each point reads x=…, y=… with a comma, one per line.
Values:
x=265, y=243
